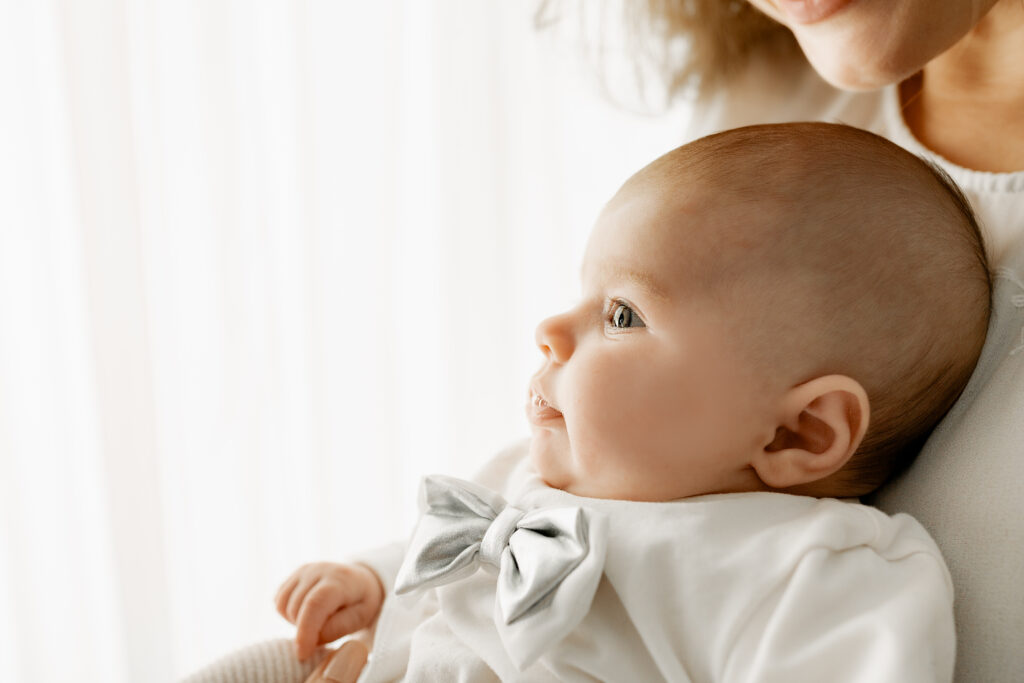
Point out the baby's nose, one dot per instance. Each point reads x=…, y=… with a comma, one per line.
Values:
x=554, y=337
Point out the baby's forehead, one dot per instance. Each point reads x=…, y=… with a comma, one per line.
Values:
x=673, y=245
x=778, y=202
x=703, y=218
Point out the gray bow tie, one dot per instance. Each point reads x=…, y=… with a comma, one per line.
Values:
x=549, y=561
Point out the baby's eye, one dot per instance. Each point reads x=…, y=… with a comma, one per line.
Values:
x=622, y=316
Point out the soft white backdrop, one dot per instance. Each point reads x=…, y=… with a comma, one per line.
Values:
x=262, y=265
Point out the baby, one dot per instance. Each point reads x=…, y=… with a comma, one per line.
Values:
x=772, y=319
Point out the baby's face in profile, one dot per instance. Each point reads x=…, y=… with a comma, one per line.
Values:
x=756, y=306
x=643, y=394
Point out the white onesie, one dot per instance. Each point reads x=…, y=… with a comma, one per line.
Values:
x=727, y=587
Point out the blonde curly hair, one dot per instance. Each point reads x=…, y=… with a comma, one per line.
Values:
x=693, y=45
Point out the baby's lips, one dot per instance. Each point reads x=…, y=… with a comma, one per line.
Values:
x=539, y=411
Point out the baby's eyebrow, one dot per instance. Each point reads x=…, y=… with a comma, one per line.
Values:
x=638, y=278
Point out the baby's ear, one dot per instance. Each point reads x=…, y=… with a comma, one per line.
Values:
x=820, y=426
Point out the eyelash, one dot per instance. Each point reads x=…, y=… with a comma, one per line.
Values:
x=612, y=308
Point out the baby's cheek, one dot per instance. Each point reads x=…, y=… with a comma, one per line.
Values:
x=609, y=417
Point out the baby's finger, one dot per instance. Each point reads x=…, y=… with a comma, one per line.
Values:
x=317, y=606
x=298, y=597
x=343, y=622
x=283, y=593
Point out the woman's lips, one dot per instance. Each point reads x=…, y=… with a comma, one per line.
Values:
x=810, y=11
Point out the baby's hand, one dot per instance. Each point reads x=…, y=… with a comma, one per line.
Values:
x=326, y=601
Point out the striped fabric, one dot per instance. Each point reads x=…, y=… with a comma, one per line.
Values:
x=269, y=661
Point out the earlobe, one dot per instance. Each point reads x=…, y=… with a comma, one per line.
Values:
x=822, y=423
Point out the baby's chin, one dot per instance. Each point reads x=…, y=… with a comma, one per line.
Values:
x=551, y=460
x=555, y=468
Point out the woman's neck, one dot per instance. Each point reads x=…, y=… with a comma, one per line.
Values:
x=968, y=104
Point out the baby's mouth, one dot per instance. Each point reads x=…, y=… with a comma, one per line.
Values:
x=538, y=410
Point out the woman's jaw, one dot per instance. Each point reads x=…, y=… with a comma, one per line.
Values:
x=869, y=44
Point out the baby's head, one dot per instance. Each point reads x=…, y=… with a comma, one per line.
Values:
x=782, y=307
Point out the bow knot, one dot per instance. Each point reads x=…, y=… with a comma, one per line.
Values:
x=498, y=533
x=549, y=561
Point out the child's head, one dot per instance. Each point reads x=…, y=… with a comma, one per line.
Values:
x=785, y=307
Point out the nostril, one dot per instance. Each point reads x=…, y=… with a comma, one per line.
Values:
x=554, y=351
x=554, y=337
x=543, y=338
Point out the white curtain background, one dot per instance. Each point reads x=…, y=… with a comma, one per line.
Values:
x=263, y=265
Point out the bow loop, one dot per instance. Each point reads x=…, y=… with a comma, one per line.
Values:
x=549, y=545
x=549, y=560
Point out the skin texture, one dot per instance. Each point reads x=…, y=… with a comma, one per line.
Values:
x=975, y=86
x=871, y=43
x=961, y=63
x=635, y=374
x=343, y=666
x=657, y=400
x=327, y=601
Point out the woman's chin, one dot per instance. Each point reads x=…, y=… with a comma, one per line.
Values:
x=864, y=74
x=877, y=43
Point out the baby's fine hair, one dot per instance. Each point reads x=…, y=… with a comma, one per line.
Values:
x=865, y=260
